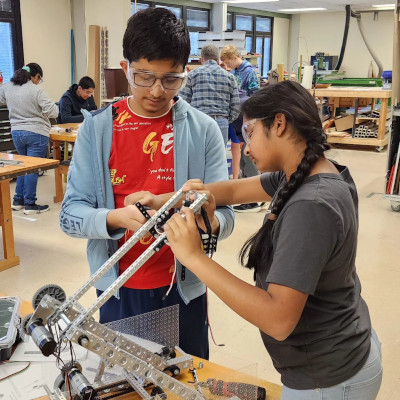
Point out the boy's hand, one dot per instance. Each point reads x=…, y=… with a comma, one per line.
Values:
x=145, y=198
x=183, y=236
x=128, y=217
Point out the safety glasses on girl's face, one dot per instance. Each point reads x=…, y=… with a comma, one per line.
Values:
x=245, y=129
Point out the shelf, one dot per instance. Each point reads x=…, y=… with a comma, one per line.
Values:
x=358, y=141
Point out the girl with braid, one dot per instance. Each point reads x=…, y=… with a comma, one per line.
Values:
x=307, y=296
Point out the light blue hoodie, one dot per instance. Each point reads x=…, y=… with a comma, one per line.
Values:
x=199, y=152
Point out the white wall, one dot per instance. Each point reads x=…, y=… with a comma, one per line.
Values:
x=79, y=26
x=324, y=32
x=46, y=31
x=113, y=15
x=280, y=42
x=293, y=49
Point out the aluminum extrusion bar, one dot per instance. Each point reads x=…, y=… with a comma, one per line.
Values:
x=146, y=255
x=121, y=251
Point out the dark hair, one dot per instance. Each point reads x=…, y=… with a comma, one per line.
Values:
x=156, y=34
x=298, y=106
x=21, y=76
x=86, y=82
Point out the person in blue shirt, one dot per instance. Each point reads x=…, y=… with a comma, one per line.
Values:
x=248, y=85
x=151, y=141
x=241, y=69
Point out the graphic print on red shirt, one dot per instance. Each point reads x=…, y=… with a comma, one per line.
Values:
x=142, y=158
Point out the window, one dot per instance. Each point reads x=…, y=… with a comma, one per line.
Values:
x=244, y=23
x=249, y=44
x=176, y=10
x=258, y=37
x=11, y=54
x=139, y=6
x=229, y=21
x=5, y=5
x=197, y=19
x=194, y=43
x=7, y=51
x=263, y=24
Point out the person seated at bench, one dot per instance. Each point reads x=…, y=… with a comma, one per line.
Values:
x=77, y=97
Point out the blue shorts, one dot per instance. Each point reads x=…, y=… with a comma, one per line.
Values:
x=193, y=325
x=232, y=134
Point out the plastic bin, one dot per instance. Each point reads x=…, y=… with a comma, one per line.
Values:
x=9, y=321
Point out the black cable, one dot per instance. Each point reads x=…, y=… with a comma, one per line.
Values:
x=346, y=32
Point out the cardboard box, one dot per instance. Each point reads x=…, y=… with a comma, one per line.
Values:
x=344, y=123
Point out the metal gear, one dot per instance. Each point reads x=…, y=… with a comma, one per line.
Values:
x=52, y=290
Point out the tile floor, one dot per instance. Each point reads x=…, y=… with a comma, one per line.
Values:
x=49, y=256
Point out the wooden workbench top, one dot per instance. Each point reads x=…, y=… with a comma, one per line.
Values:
x=352, y=91
x=27, y=164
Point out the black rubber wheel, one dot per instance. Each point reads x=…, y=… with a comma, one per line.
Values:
x=59, y=383
x=52, y=290
x=24, y=323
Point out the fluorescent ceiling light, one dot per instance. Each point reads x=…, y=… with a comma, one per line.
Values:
x=249, y=1
x=390, y=6
x=301, y=9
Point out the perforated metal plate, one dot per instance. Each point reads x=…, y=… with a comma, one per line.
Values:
x=160, y=326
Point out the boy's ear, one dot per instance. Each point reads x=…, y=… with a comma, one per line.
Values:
x=124, y=66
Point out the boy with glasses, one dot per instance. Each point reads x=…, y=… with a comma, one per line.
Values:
x=152, y=141
x=78, y=97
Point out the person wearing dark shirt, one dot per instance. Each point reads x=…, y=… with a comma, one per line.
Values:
x=77, y=97
x=307, y=298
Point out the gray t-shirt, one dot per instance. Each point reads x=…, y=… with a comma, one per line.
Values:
x=29, y=107
x=314, y=250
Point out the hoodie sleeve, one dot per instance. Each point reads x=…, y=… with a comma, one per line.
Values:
x=66, y=111
x=252, y=82
x=81, y=216
x=92, y=103
x=234, y=105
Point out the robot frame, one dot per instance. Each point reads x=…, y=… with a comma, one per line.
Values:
x=58, y=322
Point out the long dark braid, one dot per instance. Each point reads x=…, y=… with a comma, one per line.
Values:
x=300, y=111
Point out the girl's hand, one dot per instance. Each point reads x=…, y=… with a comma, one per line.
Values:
x=209, y=206
x=183, y=237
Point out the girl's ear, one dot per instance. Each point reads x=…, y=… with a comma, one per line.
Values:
x=280, y=123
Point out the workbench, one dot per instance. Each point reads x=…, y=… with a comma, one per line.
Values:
x=8, y=171
x=62, y=133
x=334, y=95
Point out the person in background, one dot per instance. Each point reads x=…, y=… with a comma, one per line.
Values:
x=307, y=300
x=213, y=90
x=152, y=141
x=30, y=110
x=248, y=84
x=241, y=69
x=78, y=97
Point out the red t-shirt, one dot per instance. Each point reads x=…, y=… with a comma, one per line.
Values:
x=142, y=158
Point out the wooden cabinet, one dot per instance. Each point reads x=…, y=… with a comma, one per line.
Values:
x=368, y=96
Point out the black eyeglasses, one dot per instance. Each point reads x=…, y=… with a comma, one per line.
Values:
x=169, y=81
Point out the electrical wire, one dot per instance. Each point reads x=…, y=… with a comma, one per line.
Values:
x=15, y=373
